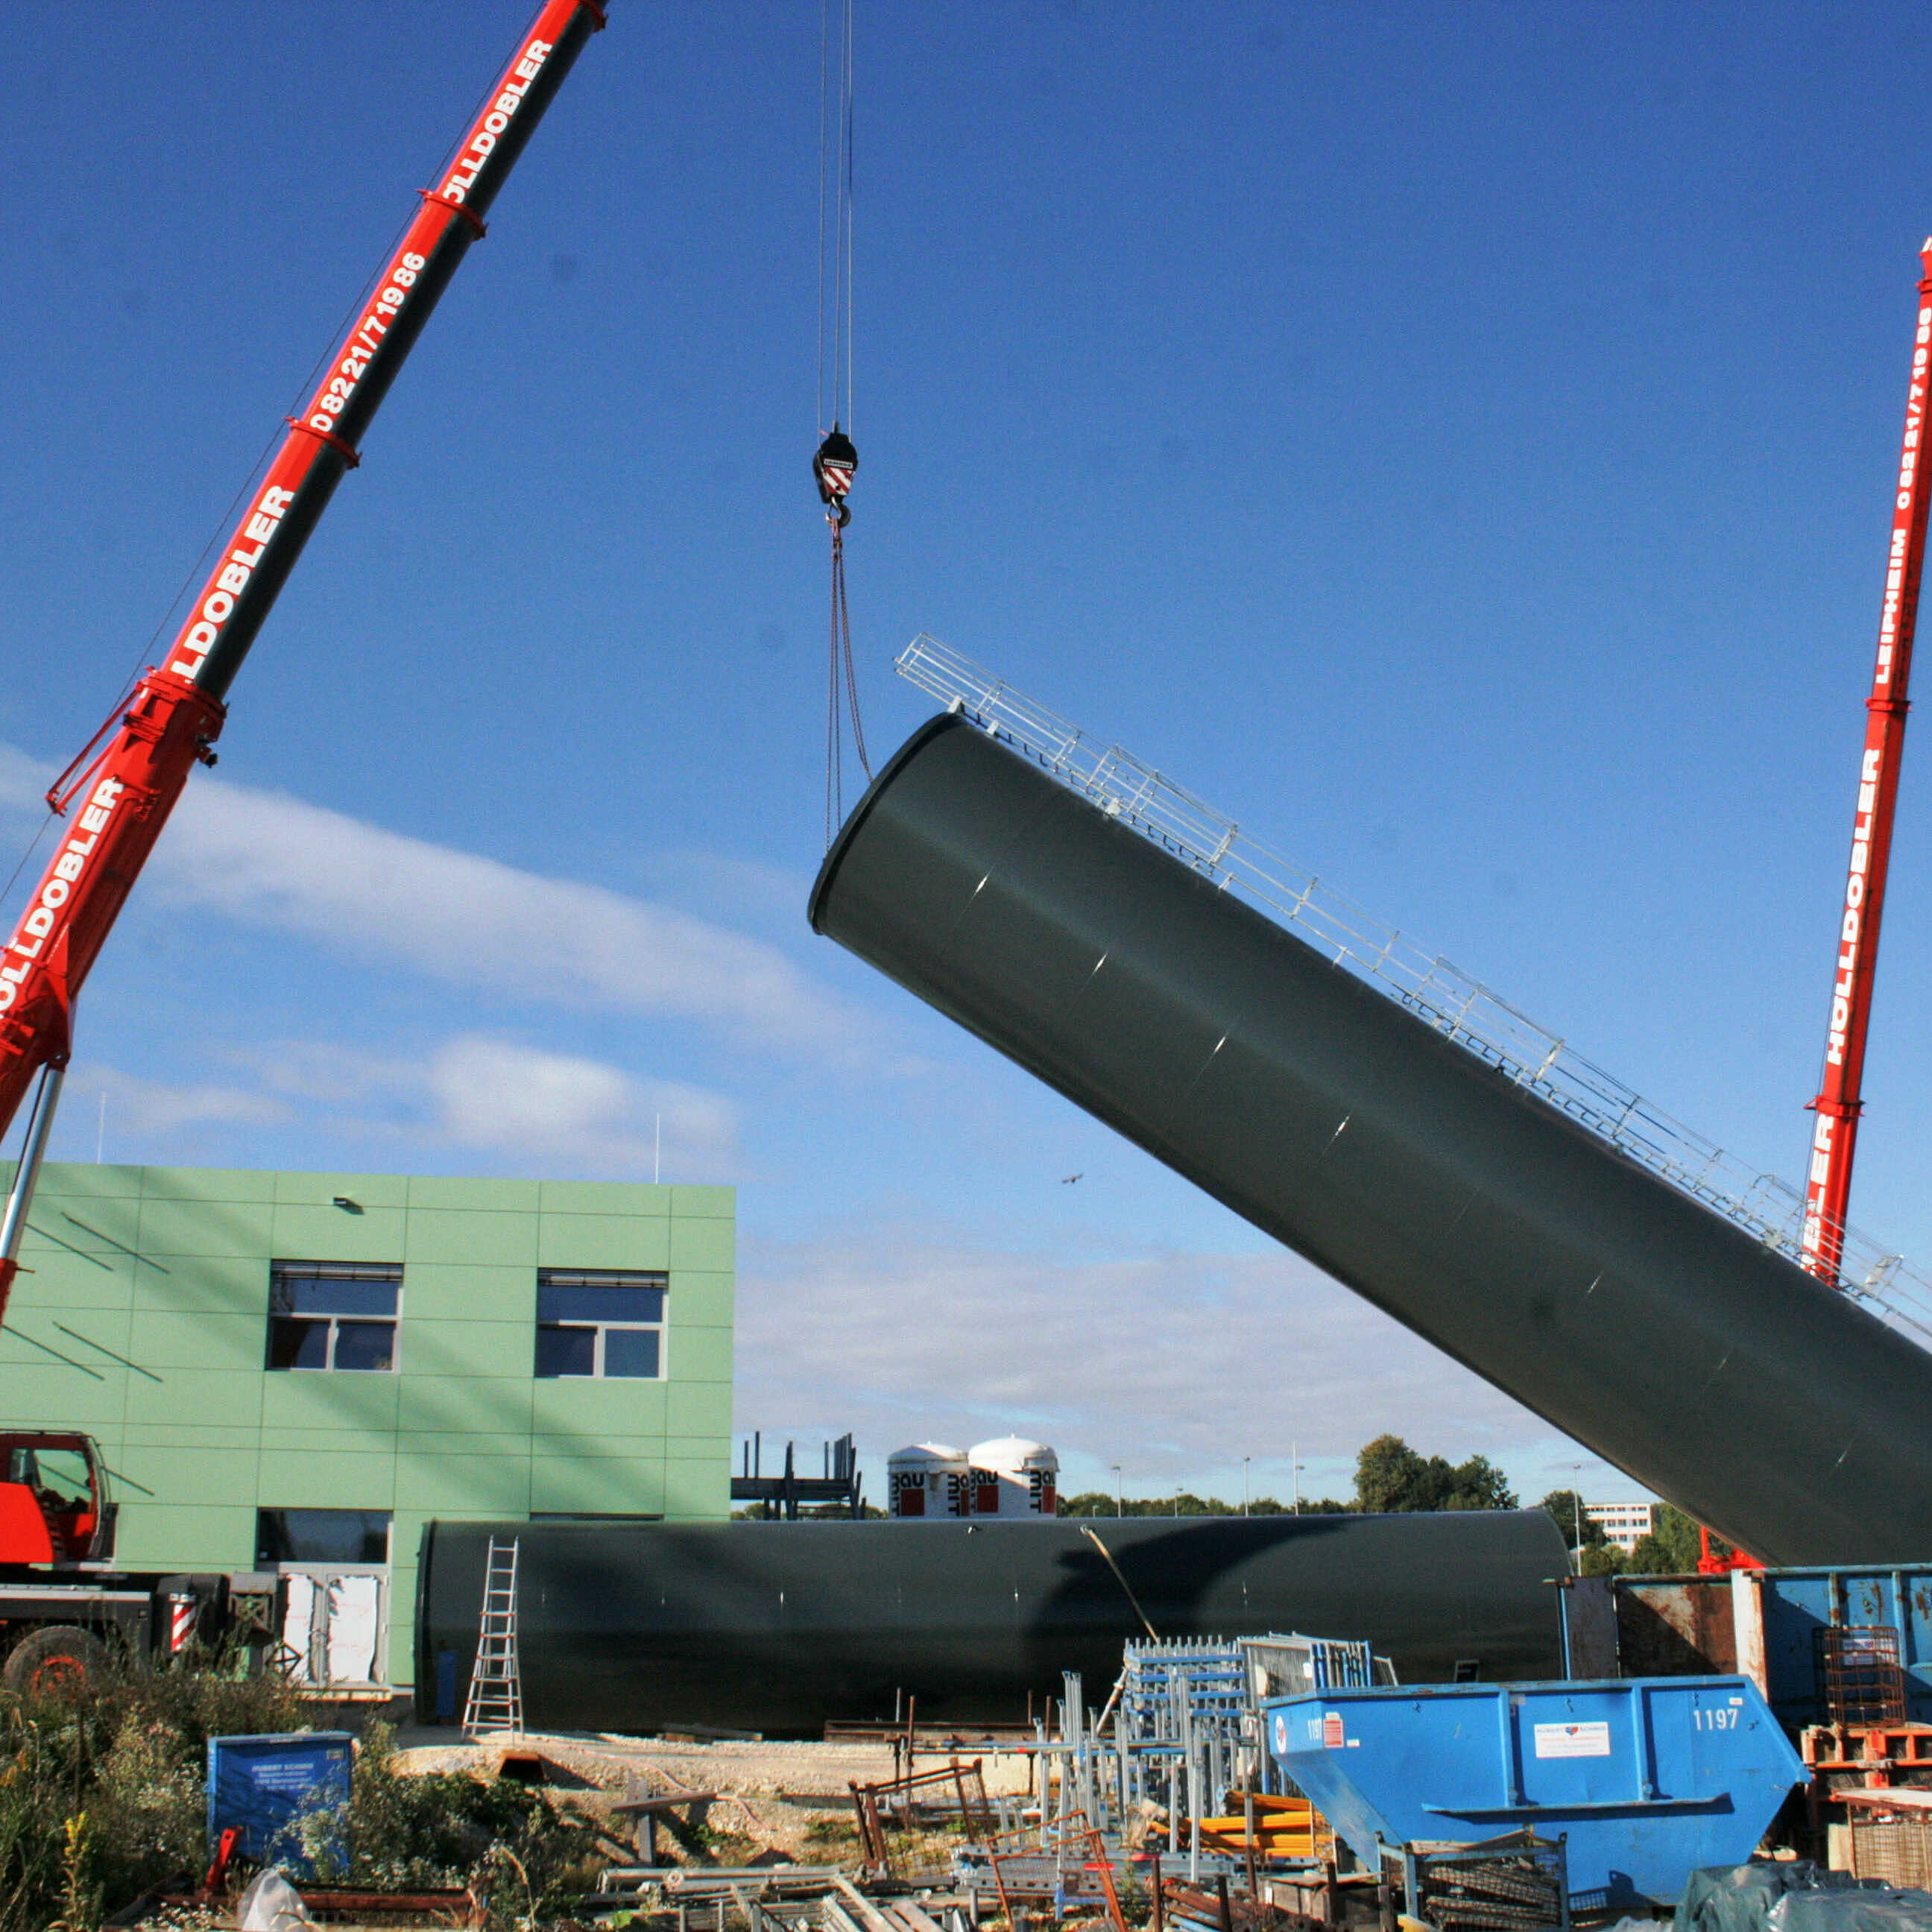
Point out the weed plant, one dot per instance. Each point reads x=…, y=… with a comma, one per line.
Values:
x=102, y=1794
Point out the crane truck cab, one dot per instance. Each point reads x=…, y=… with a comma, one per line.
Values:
x=65, y=1610
x=54, y=1504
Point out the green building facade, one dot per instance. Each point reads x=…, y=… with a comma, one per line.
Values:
x=221, y=1334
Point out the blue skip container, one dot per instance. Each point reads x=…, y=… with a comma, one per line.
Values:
x=264, y=1786
x=1647, y=1779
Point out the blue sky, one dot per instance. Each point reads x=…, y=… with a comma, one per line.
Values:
x=1453, y=440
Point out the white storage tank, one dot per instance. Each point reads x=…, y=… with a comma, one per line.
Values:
x=927, y=1479
x=1012, y=1477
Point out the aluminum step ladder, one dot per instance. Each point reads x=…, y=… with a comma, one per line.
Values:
x=496, y=1699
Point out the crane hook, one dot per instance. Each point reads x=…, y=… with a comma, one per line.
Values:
x=835, y=464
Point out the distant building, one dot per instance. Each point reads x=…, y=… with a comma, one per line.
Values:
x=1624, y=1524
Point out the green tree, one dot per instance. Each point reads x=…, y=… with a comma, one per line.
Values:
x=1673, y=1546
x=1566, y=1508
x=1390, y=1476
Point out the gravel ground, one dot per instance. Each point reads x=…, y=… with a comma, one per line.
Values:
x=769, y=1794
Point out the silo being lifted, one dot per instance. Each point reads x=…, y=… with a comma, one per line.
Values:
x=1440, y=1187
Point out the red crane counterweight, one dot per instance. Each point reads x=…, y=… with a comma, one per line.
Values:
x=1827, y=1186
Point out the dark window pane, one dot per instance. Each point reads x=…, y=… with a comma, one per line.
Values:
x=296, y=1294
x=365, y=1344
x=630, y=1352
x=566, y=1352
x=556, y=1302
x=322, y=1536
x=297, y=1345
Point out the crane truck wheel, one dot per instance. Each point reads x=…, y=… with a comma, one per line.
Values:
x=56, y=1660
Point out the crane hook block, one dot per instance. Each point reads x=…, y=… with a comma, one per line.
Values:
x=835, y=465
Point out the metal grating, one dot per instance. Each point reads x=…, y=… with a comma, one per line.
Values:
x=1861, y=1677
x=1447, y=998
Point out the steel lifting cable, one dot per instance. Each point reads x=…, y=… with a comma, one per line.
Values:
x=836, y=462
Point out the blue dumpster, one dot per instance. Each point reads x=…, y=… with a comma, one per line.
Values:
x=1647, y=1779
x=264, y=1786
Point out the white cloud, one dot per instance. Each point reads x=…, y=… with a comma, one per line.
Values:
x=556, y=1109
x=135, y=1106
x=539, y=1112
x=1163, y=1362
x=263, y=859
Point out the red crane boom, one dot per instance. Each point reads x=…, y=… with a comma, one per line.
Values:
x=1835, y=1138
x=127, y=780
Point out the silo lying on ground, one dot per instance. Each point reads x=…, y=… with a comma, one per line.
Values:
x=1664, y=1336
x=778, y=1626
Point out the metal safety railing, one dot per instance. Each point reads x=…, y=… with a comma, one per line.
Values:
x=1448, y=999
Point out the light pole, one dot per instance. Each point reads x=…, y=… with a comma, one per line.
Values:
x=1119, y=1492
x=1245, y=1461
x=1177, y=1499
x=1576, y=1499
x=1295, y=1469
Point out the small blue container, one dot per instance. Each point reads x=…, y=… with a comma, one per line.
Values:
x=1647, y=1779
x=263, y=1787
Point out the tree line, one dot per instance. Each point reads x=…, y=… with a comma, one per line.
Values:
x=1391, y=1477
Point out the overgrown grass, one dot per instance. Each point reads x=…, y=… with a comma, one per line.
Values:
x=450, y=1828
x=102, y=1796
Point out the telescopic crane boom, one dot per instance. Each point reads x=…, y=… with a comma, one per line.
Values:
x=1828, y=1187
x=127, y=780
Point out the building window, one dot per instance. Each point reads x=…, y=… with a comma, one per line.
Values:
x=333, y=1314
x=604, y=1323
x=322, y=1536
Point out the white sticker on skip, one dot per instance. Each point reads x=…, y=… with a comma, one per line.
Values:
x=1573, y=1740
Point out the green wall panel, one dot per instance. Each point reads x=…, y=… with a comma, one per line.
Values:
x=469, y=1405
x=704, y=1299
x=171, y=1227
x=470, y=1291
x=311, y=1399
x=708, y=1244
x=604, y=1241
x=431, y=1484
x=168, y=1267
x=205, y=1284
x=52, y=1280
x=185, y=1536
x=500, y=1197
x=207, y=1184
x=696, y=1490
x=697, y=1408
x=157, y=1342
x=450, y=1234
x=600, y=1485
x=318, y=1479
x=224, y=1396
x=501, y=1348
x=105, y=1224
x=700, y=1355
x=209, y=1475
x=578, y=1408
x=368, y=1191
x=325, y=1233
x=78, y=1181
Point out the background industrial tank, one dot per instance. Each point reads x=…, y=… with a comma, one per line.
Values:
x=926, y=1479
x=776, y=1627
x=1007, y=1476
x=1666, y=1337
